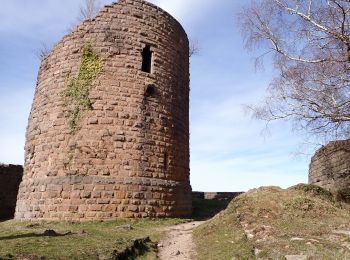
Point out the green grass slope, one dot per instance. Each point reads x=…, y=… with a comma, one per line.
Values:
x=272, y=223
x=85, y=240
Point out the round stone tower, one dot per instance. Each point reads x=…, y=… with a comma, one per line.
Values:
x=330, y=166
x=108, y=133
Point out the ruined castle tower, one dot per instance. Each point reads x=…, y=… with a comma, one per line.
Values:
x=330, y=166
x=108, y=133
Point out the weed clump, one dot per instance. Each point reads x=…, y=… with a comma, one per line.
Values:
x=343, y=195
x=313, y=190
x=76, y=95
x=299, y=203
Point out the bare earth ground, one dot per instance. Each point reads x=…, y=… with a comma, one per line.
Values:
x=178, y=244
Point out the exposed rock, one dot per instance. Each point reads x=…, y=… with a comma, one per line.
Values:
x=330, y=166
x=296, y=257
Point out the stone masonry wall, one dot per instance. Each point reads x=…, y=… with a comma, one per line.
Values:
x=215, y=195
x=330, y=166
x=10, y=177
x=130, y=155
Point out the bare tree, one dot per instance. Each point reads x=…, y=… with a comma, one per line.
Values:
x=309, y=42
x=89, y=9
x=194, y=48
x=43, y=51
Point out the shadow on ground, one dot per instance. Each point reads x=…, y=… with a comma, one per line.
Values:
x=204, y=209
x=47, y=233
x=5, y=219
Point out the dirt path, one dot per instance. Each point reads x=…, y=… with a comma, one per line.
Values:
x=178, y=244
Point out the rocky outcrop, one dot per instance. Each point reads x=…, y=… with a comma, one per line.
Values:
x=330, y=166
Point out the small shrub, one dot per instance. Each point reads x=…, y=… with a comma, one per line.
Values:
x=299, y=203
x=313, y=190
x=343, y=195
x=307, y=206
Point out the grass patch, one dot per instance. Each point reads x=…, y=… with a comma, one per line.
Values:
x=85, y=240
x=222, y=238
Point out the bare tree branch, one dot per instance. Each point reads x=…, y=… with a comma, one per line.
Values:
x=89, y=9
x=194, y=48
x=310, y=46
x=42, y=52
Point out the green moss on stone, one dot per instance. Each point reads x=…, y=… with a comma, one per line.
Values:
x=76, y=95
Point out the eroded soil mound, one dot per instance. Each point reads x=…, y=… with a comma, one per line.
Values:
x=303, y=221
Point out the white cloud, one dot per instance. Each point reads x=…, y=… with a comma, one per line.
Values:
x=185, y=10
x=14, y=111
x=224, y=176
x=229, y=151
x=12, y=148
x=238, y=161
x=17, y=15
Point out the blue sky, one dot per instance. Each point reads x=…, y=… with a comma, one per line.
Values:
x=229, y=152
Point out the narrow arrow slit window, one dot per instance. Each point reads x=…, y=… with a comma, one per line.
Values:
x=147, y=59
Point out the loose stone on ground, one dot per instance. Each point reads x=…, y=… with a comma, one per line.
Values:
x=178, y=244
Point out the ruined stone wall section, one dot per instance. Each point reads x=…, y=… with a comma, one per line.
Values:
x=330, y=166
x=10, y=177
x=215, y=195
x=130, y=157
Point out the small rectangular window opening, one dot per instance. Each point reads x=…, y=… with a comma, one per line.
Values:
x=147, y=59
